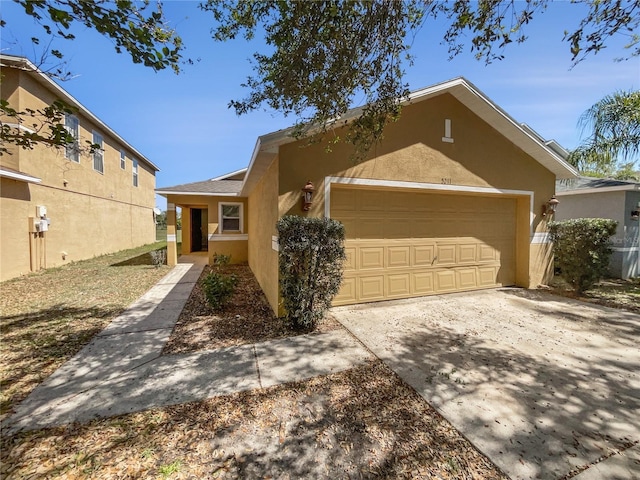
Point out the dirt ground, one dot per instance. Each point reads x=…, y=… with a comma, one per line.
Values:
x=247, y=318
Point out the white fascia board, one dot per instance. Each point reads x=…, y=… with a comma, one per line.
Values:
x=560, y=167
x=19, y=126
x=529, y=142
x=23, y=177
x=227, y=175
x=164, y=193
x=26, y=65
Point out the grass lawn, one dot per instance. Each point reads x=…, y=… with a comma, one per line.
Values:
x=47, y=317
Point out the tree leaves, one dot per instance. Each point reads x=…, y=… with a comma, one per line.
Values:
x=136, y=28
x=327, y=57
x=613, y=126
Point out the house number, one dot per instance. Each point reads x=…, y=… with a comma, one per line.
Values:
x=446, y=181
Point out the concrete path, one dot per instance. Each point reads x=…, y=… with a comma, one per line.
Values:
x=122, y=369
x=540, y=384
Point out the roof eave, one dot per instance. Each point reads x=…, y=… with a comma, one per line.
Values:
x=20, y=176
x=26, y=65
x=164, y=193
x=468, y=94
x=618, y=188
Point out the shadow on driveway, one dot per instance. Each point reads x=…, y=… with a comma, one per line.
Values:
x=543, y=385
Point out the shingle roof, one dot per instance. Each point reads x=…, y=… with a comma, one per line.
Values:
x=584, y=183
x=207, y=187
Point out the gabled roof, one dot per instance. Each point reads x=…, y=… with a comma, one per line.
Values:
x=21, y=63
x=267, y=145
x=594, y=185
x=229, y=184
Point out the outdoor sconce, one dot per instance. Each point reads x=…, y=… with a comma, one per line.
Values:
x=635, y=214
x=307, y=196
x=550, y=207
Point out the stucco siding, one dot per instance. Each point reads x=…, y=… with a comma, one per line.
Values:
x=14, y=234
x=631, y=245
x=263, y=259
x=234, y=243
x=91, y=212
x=413, y=151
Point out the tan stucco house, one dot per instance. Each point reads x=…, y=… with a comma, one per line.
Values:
x=64, y=204
x=451, y=200
x=618, y=200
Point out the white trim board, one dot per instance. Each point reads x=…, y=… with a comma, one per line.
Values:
x=23, y=177
x=625, y=249
x=203, y=194
x=540, y=238
x=227, y=237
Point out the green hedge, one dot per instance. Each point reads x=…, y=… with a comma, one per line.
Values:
x=310, y=263
x=582, y=248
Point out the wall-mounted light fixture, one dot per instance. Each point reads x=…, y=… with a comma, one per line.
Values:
x=635, y=213
x=307, y=196
x=550, y=207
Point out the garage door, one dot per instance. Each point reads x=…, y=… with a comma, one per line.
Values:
x=403, y=244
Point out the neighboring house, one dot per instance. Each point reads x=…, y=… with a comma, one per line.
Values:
x=606, y=198
x=451, y=200
x=64, y=204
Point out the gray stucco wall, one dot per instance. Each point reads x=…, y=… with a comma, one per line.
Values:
x=616, y=206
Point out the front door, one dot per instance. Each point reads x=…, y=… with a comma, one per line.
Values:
x=196, y=230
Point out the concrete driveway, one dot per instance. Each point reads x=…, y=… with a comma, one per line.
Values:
x=544, y=386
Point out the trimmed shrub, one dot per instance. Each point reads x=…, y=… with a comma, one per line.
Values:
x=582, y=248
x=310, y=264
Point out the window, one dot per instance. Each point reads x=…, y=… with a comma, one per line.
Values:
x=230, y=217
x=123, y=160
x=98, y=154
x=72, y=150
x=135, y=173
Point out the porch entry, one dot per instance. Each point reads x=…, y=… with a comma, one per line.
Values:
x=199, y=223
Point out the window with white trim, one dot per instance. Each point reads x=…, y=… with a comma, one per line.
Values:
x=72, y=150
x=98, y=153
x=134, y=169
x=123, y=160
x=230, y=215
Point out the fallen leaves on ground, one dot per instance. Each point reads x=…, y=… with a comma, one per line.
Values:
x=247, y=318
x=612, y=292
x=360, y=423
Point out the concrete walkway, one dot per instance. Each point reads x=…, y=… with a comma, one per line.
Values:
x=540, y=384
x=122, y=370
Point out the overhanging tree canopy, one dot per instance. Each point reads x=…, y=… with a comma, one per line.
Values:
x=323, y=55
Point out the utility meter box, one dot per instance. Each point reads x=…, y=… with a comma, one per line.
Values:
x=41, y=211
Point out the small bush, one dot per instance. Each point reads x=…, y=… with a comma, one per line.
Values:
x=221, y=260
x=582, y=248
x=310, y=264
x=218, y=289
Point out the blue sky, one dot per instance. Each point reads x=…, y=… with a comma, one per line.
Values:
x=182, y=123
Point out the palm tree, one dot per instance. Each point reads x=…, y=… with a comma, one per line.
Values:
x=614, y=139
